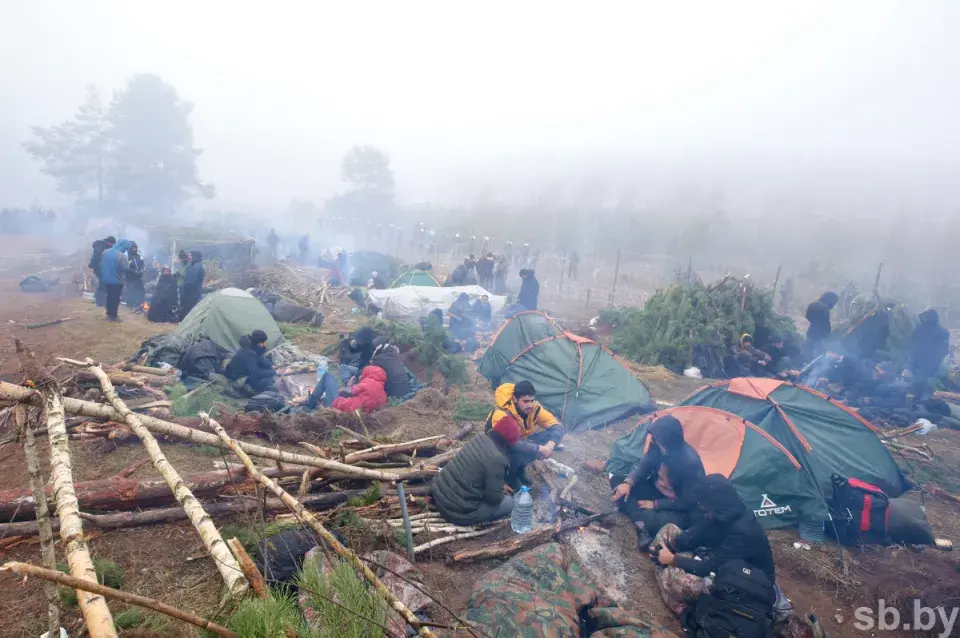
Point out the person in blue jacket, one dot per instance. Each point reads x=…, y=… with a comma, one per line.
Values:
x=113, y=271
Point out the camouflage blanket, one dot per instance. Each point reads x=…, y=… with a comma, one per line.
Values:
x=542, y=593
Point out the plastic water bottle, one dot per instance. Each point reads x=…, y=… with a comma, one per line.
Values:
x=521, y=519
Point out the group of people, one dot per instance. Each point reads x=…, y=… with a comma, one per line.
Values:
x=123, y=275
x=857, y=366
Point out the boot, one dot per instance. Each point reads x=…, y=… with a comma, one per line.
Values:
x=643, y=537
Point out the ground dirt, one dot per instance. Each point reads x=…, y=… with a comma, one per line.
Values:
x=167, y=562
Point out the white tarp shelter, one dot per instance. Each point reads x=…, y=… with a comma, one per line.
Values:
x=418, y=301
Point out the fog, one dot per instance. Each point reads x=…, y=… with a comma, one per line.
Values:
x=755, y=107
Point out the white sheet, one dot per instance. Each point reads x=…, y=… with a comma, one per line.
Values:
x=418, y=301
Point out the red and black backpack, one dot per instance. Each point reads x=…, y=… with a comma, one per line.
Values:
x=860, y=512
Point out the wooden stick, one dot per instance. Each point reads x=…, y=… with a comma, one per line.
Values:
x=905, y=431
x=47, y=547
x=380, y=451
x=209, y=534
x=10, y=392
x=511, y=546
x=305, y=516
x=26, y=569
x=44, y=324
x=94, y=608
x=160, y=372
x=360, y=437
x=316, y=449
x=449, y=539
x=569, y=486
x=249, y=569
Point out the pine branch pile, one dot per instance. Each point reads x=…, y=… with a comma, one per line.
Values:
x=675, y=320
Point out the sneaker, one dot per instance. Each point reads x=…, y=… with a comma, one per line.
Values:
x=643, y=538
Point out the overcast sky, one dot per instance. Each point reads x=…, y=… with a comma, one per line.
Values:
x=763, y=101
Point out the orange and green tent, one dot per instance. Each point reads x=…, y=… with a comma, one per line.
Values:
x=576, y=378
x=778, y=442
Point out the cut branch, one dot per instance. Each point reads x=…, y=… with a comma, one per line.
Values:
x=10, y=392
x=26, y=569
x=381, y=451
x=511, y=546
x=305, y=516
x=449, y=539
x=226, y=564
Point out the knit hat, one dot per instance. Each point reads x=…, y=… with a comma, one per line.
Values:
x=258, y=336
x=508, y=428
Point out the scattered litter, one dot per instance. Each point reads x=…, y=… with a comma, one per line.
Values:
x=838, y=618
x=926, y=426
x=693, y=373
x=799, y=545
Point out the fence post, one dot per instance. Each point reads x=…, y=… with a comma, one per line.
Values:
x=616, y=274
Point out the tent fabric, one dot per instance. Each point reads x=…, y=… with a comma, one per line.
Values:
x=415, y=278
x=419, y=301
x=826, y=436
x=227, y=315
x=769, y=478
x=577, y=379
x=223, y=317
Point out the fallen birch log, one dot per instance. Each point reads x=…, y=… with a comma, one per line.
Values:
x=459, y=435
x=26, y=569
x=306, y=517
x=10, y=392
x=47, y=547
x=172, y=514
x=225, y=562
x=381, y=451
x=94, y=608
x=250, y=570
x=511, y=546
x=159, y=372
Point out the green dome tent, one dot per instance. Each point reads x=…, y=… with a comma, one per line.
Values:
x=415, y=278
x=227, y=315
x=577, y=379
x=770, y=480
x=779, y=444
x=223, y=317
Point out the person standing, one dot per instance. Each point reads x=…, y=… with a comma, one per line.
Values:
x=99, y=247
x=529, y=290
x=113, y=270
x=133, y=291
x=818, y=314
x=485, y=271
x=272, y=243
x=929, y=345
x=192, y=283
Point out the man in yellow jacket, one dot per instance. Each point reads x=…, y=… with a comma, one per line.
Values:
x=540, y=431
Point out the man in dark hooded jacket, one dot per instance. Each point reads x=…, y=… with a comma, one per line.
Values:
x=529, y=296
x=192, y=283
x=818, y=314
x=387, y=356
x=251, y=362
x=929, y=344
x=727, y=531
x=133, y=290
x=164, y=299
x=99, y=246
x=661, y=488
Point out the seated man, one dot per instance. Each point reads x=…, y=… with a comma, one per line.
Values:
x=661, y=488
x=164, y=300
x=481, y=309
x=251, y=362
x=751, y=361
x=884, y=390
x=727, y=531
x=540, y=431
x=368, y=394
x=387, y=356
x=472, y=488
x=462, y=325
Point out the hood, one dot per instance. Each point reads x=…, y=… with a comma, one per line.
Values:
x=930, y=317
x=743, y=340
x=668, y=432
x=829, y=299
x=375, y=373
x=717, y=495
x=197, y=256
x=123, y=245
x=100, y=244
x=503, y=395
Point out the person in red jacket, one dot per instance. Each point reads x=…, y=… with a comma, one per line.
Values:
x=367, y=394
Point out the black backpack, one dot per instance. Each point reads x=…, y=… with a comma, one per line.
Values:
x=860, y=512
x=739, y=605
